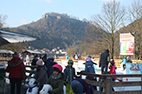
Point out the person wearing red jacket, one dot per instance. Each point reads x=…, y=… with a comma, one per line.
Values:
x=15, y=65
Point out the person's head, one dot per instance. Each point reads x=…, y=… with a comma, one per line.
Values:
x=35, y=56
x=112, y=62
x=51, y=58
x=39, y=62
x=107, y=50
x=70, y=63
x=44, y=57
x=56, y=69
x=89, y=56
x=125, y=57
x=88, y=59
x=15, y=55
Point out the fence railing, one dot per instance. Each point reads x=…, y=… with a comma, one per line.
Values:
x=105, y=82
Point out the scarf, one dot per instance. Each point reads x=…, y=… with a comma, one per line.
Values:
x=30, y=89
x=56, y=77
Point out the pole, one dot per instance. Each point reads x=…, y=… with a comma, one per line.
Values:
x=139, y=46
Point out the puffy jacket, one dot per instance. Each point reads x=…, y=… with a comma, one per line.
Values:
x=41, y=75
x=57, y=84
x=89, y=68
x=14, y=67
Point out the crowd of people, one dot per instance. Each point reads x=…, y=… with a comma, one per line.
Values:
x=50, y=72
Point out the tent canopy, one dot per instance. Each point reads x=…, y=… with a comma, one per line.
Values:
x=6, y=51
x=13, y=37
x=32, y=52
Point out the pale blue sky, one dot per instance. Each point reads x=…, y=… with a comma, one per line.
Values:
x=22, y=12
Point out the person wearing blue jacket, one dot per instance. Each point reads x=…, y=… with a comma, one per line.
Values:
x=124, y=61
x=48, y=62
x=89, y=68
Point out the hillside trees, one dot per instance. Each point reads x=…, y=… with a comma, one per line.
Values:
x=108, y=22
x=135, y=18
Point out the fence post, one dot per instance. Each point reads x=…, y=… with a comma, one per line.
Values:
x=107, y=88
x=141, y=85
x=100, y=86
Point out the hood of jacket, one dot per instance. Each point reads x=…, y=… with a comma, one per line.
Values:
x=15, y=62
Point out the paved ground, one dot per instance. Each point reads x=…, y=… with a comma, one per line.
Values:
x=7, y=90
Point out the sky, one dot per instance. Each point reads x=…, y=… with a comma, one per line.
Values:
x=20, y=12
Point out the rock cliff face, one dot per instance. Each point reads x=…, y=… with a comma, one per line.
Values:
x=55, y=30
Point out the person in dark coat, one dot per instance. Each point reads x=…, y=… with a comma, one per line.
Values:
x=15, y=65
x=104, y=60
x=49, y=63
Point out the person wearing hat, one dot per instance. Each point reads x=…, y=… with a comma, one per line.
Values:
x=80, y=86
x=112, y=67
x=89, y=68
x=124, y=61
x=56, y=80
x=41, y=74
x=49, y=63
x=112, y=71
x=69, y=73
x=15, y=65
x=104, y=61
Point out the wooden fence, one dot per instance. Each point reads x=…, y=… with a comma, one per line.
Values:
x=107, y=83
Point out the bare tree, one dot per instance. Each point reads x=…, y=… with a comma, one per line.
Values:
x=135, y=18
x=108, y=22
x=2, y=20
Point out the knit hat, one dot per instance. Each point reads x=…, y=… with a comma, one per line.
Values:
x=39, y=62
x=70, y=62
x=57, y=67
x=88, y=59
x=15, y=54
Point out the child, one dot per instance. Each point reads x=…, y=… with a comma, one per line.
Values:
x=124, y=61
x=69, y=73
x=56, y=80
x=112, y=71
x=41, y=74
x=89, y=68
x=112, y=67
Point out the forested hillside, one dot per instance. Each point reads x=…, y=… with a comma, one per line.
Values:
x=55, y=30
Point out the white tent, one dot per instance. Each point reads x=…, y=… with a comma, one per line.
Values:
x=6, y=51
x=14, y=37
